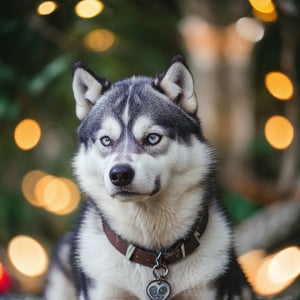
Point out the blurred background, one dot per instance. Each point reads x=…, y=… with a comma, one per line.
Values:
x=245, y=57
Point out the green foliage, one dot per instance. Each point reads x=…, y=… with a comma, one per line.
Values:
x=239, y=207
x=263, y=158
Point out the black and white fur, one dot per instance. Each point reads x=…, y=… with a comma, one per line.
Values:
x=149, y=126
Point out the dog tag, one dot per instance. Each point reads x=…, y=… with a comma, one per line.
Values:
x=158, y=289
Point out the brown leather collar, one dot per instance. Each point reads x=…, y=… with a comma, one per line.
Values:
x=178, y=251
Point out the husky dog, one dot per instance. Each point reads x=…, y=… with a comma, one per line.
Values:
x=152, y=226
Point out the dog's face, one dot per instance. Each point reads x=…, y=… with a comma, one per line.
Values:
x=138, y=137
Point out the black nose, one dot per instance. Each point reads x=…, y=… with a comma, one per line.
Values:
x=121, y=175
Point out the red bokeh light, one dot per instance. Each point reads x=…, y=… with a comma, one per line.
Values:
x=5, y=280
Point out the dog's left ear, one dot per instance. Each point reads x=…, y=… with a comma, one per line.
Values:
x=87, y=88
x=177, y=83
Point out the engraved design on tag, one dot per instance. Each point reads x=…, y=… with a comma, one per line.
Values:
x=158, y=289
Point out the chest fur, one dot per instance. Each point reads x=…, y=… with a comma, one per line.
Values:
x=113, y=275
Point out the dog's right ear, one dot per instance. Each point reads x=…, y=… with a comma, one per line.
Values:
x=87, y=88
x=178, y=84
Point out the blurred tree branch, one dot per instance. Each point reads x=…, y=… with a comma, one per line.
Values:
x=289, y=18
x=259, y=191
x=270, y=226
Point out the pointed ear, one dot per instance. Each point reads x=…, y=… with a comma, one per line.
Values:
x=87, y=88
x=177, y=83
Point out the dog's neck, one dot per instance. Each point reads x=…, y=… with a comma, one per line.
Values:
x=149, y=257
x=157, y=222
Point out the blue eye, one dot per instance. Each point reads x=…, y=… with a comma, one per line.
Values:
x=153, y=139
x=105, y=141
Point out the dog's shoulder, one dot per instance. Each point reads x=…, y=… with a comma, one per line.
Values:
x=88, y=222
x=87, y=217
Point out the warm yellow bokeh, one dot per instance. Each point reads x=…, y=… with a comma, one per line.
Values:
x=55, y=194
x=277, y=272
x=266, y=17
x=27, y=134
x=40, y=187
x=29, y=184
x=61, y=196
x=279, y=132
x=285, y=265
x=270, y=275
x=279, y=85
x=46, y=8
x=73, y=200
x=250, y=262
x=264, y=6
x=88, y=8
x=27, y=255
x=99, y=40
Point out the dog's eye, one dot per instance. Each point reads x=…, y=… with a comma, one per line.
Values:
x=153, y=139
x=105, y=141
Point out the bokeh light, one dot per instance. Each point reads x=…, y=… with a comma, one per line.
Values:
x=249, y=29
x=277, y=272
x=279, y=132
x=250, y=262
x=27, y=255
x=61, y=196
x=27, y=134
x=279, y=85
x=285, y=265
x=5, y=280
x=39, y=189
x=55, y=194
x=264, y=6
x=88, y=8
x=266, y=17
x=99, y=40
x=29, y=184
x=73, y=200
x=46, y=8
x=270, y=275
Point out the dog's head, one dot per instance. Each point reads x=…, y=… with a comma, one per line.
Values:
x=139, y=137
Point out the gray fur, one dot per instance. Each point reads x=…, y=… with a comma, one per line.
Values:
x=148, y=171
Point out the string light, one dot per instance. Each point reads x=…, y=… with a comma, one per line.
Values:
x=58, y=195
x=99, y=40
x=285, y=265
x=46, y=8
x=55, y=194
x=263, y=6
x=250, y=262
x=61, y=196
x=27, y=134
x=265, y=17
x=27, y=255
x=270, y=275
x=88, y=8
x=279, y=85
x=29, y=184
x=279, y=132
x=73, y=200
x=5, y=280
x=40, y=187
x=249, y=29
x=278, y=271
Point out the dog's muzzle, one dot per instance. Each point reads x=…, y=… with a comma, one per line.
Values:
x=121, y=175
